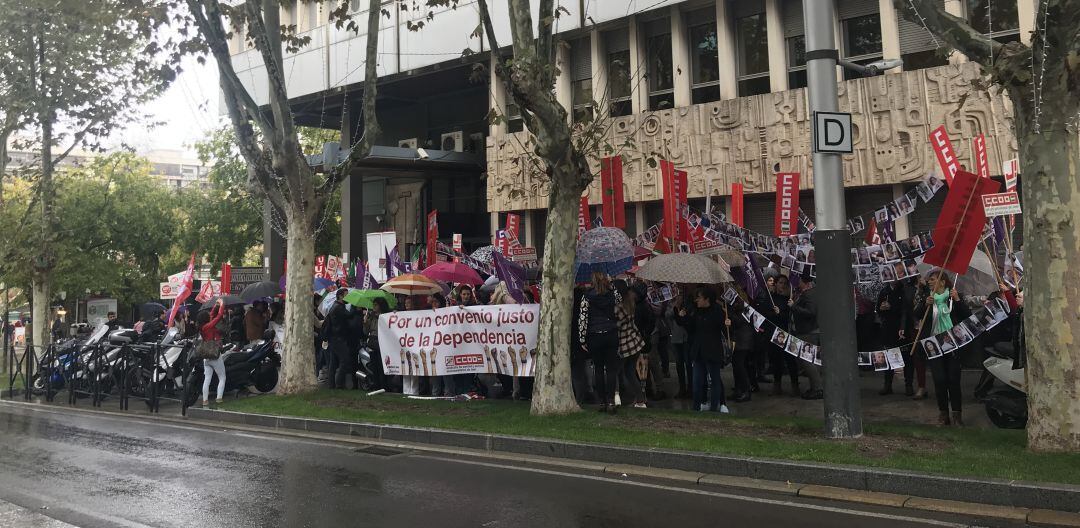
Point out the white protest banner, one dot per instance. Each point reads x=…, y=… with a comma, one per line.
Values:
x=1001, y=204
x=168, y=290
x=497, y=339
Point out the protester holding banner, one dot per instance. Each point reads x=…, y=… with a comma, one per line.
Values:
x=743, y=336
x=804, y=325
x=598, y=333
x=894, y=312
x=946, y=310
x=708, y=347
x=773, y=305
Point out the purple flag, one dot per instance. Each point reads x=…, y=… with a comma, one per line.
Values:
x=753, y=272
x=388, y=263
x=512, y=274
x=999, y=229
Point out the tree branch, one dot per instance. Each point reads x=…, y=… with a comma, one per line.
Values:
x=955, y=31
x=547, y=24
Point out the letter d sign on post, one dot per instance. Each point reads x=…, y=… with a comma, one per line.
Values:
x=832, y=132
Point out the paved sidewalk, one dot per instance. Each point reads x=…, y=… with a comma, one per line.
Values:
x=17, y=516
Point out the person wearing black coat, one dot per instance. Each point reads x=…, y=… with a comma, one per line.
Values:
x=773, y=304
x=337, y=330
x=804, y=325
x=707, y=343
x=598, y=335
x=894, y=311
x=744, y=336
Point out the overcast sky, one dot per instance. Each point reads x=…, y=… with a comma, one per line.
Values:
x=188, y=110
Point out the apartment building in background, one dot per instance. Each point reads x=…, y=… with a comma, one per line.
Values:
x=175, y=168
x=717, y=87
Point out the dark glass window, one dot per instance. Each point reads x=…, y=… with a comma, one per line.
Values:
x=753, y=42
x=796, y=60
x=705, y=63
x=1003, y=17
x=619, y=82
x=659, y=67
x=514, y=122
x=862, y=36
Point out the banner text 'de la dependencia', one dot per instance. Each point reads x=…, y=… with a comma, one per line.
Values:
x=499, y=339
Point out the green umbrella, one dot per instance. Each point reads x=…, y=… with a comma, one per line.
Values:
x=364, y=298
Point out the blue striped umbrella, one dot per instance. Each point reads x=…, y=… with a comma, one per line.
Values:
x=603, y=249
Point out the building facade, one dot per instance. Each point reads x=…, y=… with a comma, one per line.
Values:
x=717, y=87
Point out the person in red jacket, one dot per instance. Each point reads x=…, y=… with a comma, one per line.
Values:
x=207, y=322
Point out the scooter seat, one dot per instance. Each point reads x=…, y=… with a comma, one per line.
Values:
x=1003, y=349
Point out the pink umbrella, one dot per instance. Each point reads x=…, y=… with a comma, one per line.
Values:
x=453, y=272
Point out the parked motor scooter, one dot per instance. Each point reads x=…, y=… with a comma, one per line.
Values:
x=366, y=376
x=1006, y=406
x=252, y=366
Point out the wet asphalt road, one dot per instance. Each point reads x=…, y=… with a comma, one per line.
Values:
x=93, y=470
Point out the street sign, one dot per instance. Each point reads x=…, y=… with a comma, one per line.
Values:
x=1001, y=204
x=243, y=277
x=832, y=132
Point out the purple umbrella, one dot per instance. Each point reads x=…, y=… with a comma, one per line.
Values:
x=603, y=249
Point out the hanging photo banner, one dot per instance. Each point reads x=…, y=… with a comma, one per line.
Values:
x=961, y=223
x=456, y=241
x=498, y=339
x=611, y=180
x=946, y=156
x=982, y=163
x=737, y=204
x=787, y=204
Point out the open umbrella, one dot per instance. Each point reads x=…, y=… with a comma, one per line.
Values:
x=604, y=249
x=230, y=300
x=687, y=268
x=411, y=284
x=490, y=284
x=366, y=298
x=452, y=272
x=483, y=254
x=150, y=309
x=260, y=290
x=641, y=252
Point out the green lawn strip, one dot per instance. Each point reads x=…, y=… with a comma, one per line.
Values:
x=4, y=379
x=949, y=451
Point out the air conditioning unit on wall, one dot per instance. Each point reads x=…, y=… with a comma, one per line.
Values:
x=407, y=143
x=454, y=141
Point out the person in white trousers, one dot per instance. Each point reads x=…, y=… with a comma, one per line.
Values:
x=208, y=329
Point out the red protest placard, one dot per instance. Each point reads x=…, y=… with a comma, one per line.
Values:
x=513, y=227
x=737, y=204
x=946, y=156
x=982, y=163
x=959, y=226
x=671, y=201
x=583, y=216
x=787, y=204
x=611, y=179
x=432, y=236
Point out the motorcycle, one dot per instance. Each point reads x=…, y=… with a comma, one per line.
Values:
x=1006, y=406
x=141, y=363
x=365, y=374
x=67, y=363
x=252, y=366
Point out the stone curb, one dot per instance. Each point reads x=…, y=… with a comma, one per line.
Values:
x=859, y=484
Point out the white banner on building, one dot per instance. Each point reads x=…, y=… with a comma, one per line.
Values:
x=497, y=339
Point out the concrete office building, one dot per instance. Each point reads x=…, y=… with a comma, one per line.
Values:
x=715, y=86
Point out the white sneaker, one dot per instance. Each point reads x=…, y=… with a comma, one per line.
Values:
x=724, y=409
x=618, y=400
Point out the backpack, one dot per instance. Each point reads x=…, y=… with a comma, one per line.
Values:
x=208, y=349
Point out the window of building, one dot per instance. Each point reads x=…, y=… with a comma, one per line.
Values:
x=704, y=60
x=659, y=64
x=918, y=48
x=753, y=50
x=862, y=41
x=581, y=95
x=514, y=123
x=796, y=60
x=617, y=44
x=1001, y=21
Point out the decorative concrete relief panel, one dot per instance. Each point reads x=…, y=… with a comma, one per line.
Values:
x=744, y=139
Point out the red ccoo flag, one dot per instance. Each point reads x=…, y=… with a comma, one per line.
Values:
x=737, y=204
x=787, y=204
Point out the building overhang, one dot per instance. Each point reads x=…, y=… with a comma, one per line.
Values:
x=404, y=165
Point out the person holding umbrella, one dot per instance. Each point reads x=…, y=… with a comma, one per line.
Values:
x=598, y=334
x=255, y=320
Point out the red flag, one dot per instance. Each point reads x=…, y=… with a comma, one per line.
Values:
x=872, y=236
x=583, y=219
x=1011, y=169
x=513, y=223
x=226, y=278
x=611, y=179
x=456, y=241
x=320, y=266
x=960, y=224
x=946, y=156
x=432, y=236
x=672, y=195
x=185, y=290
x=981, y=162
x=787, y=204
x=737, y=204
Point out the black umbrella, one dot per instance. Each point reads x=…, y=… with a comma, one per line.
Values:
x=260, y=290
x=151, y=309
x=230, y=300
